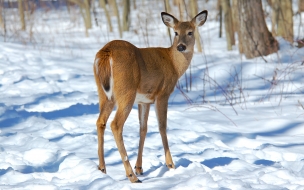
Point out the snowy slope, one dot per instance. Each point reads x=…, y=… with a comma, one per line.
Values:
x=249, y=133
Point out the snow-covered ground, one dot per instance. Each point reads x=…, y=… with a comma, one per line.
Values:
x=240, y=127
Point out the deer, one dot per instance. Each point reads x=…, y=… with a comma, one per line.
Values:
x=126, y=75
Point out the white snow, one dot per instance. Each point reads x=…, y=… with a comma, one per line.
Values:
x=237, y=129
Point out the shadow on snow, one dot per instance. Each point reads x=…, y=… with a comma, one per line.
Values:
x=12, y=116
x=220, y=161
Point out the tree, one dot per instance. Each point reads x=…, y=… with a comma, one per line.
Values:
x=282, y=21
x=116, y=12
x=1, y=14
x=236, y=24
x=2, y=18
x=103, y=5
x=167, y=6
x=301, y=6
x=228, y=23
x=256, y=39
x=168, y=10
x=181, y=7
x=85, y=12
x=125, y=17
x=219, y=8
x=21, y=14
x=193, y=6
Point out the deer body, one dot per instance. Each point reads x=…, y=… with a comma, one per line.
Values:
x=125, y=75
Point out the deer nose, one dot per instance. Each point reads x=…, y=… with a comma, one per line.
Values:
x=181, y=47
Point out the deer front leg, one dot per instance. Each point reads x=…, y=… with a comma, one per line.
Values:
x=143, y=113
x=161, y=108
x=117, y=128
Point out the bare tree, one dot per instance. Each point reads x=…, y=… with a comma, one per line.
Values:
x=168, y=10
x=103, y=5
x=301, y=6
x=21, y=14
x=193, y=6
x=27, y=9
x=94, y=12
x=228, y=23
x=182, y=8
x=256, y=39
x=1, y=14
x=236, y=24
x=220, y=13
x=85, y=12
x=126, y=13
x=118, y=18
x=282, y=19
x=2, y=19
x=167, y=6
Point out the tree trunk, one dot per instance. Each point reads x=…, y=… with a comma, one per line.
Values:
x=167, y=6
x=274, y=16
x=236, y=24
x=168, y=10
x=181, y=7
x=125, y=17
x=282, y=19
x=3, y=19
x=27, y=10
x=219, y=8
x=112, y=6
x=85, y=12
x=301, y=6
x=88, y=20
x=228, y=23
x=21, y=14
x=94, y=13
x=116, y=12
x=134, y=5
x=256, y=39
x=103, y=5
x=193, y=6
x=1, y=15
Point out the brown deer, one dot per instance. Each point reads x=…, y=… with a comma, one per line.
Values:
x=126, y=75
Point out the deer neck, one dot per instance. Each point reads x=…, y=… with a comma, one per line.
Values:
x=181, y=60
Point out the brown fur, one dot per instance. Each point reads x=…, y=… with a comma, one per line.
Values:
x=152, y=72
x=104, y=69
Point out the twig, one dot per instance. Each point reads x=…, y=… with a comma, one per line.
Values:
x=225, y=94
x=213, y=108
x=301, y=104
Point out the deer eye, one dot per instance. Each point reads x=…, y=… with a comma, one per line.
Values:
x=190, y=33
x=176, y=34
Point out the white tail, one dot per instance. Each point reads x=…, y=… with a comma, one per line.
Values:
x=126, y=75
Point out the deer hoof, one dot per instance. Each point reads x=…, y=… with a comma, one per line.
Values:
x=139, y=173
x=171, y=166
x=138, y=170
x=133, y=179
x=103, y=170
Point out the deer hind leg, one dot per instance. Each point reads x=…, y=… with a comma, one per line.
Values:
x=143, y=113
x=105, y=106
x=161, y=112
x=123, y=110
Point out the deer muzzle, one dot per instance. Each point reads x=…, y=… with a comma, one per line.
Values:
x=181, y=47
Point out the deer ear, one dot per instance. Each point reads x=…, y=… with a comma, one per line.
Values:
x=200, y=18
x=169, y=20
